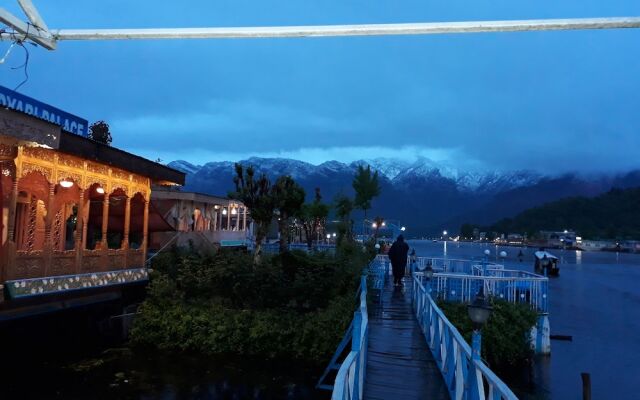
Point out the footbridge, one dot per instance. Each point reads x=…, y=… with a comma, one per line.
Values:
x=403, y=346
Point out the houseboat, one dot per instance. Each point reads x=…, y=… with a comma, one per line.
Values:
x=546, y=263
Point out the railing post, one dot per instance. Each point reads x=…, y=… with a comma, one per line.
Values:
x=355, y=347
x=476, y=344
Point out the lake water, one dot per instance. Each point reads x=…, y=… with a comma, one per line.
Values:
x=596, y=300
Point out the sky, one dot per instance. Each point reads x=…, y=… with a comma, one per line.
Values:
x=545, y=101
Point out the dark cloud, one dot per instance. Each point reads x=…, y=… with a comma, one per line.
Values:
x=547, y=101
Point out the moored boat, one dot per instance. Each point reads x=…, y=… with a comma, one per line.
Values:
x=546, y=263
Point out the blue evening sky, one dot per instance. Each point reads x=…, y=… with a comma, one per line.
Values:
x=550, y=101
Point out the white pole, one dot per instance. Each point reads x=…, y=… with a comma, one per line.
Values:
x=427, y=28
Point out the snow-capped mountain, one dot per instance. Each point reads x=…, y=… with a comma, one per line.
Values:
x=427, y=193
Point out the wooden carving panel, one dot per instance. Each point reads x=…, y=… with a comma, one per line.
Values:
x=63, y=263
x=29, y=265
x=29, y=167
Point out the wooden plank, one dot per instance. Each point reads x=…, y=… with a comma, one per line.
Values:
x=399, y=362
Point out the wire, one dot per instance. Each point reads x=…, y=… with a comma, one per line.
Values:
x=25, y=65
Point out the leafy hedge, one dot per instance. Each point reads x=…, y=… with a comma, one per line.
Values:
x=294, y=306
x=505, y=337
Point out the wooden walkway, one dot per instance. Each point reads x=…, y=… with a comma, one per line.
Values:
x=399, y=364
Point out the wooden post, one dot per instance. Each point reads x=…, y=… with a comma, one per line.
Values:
x=228, y=216
x=79, y=233
x=10, y=249
x=244, y=218
x=145, y=228
x=124, y=245
x=105, y=220
x=586, y=385
x=48, y=237
x=127, y=223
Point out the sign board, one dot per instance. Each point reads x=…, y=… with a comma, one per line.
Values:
x=27, y=105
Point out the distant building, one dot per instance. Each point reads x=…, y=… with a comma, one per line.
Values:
x=564, y=238
x=597, y=245
x=515, y=238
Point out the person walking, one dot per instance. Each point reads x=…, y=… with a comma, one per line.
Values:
x=398, y=257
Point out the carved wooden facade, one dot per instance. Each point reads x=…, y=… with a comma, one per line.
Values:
x=65, y=215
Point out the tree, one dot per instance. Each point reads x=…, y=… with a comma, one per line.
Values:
x=366, y=186
x=256, y=195
x=99, y=131
x=288, y=198
x=343, y=206
x=313, y=217
x=466, y=230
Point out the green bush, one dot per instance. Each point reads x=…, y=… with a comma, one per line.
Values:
x=292, y=306
x=505, y=337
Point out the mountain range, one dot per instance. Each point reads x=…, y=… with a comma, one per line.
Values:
x=426, y=196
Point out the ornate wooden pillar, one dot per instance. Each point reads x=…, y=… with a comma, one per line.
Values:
x=105, y=225
x=80, y=232
x=48, y=223
x=145, y=228
x=127, y=223
x=8, y=153
x=124, y=246
x=228, y=217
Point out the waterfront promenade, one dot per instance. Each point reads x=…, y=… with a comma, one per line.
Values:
x=399, y=362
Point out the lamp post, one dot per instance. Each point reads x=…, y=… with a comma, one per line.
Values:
x=428, y=273
x=479, y=312
x=485, y=260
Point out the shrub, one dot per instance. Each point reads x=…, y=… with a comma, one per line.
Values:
x=293, y=306
x=505, y=337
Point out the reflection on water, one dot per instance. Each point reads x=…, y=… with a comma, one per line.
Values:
x=596, y=300
x=578, y=257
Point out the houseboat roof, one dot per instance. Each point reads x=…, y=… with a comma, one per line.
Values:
x=29, y=129
x=90, y=149
x=541, y=254
x=172, y=194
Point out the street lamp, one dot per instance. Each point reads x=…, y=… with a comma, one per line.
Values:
x=479, y=312
x=403, y=229
x=444, y=233
x=428, y=273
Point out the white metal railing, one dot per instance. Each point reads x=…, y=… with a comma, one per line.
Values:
x=465, y=377
x=349, y=383
x=509, y=285
x=443, y=264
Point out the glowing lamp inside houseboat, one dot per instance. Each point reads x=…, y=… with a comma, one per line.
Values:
x=66, y=183
x=234, y=211
x=224, y=211
x=374, y=225
x=100, y=190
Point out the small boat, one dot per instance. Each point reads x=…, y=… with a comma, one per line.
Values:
x=546, y=263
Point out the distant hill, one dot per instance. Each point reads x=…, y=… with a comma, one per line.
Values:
x=424, y=195
x=614, y=214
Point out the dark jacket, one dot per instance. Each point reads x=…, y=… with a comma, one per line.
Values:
x=398, y=253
